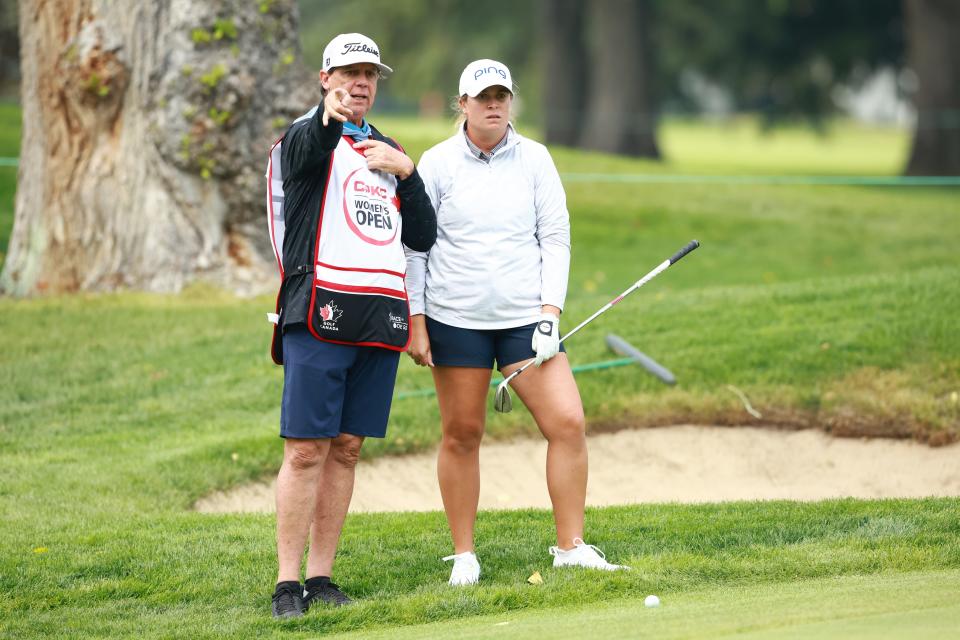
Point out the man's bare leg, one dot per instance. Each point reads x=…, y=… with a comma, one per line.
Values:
x=332, y=503
x=297, y=483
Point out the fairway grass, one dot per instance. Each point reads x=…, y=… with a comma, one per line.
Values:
x=890, y=606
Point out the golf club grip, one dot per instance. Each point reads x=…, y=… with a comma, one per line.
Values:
x=693, y=244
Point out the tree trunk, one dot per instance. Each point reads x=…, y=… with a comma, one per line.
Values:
x=146, y=127
x=564, y=68
x=933, y=42
x=621, y=114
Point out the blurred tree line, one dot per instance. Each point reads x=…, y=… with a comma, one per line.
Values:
x=778, y=58
x=9, y=49
x=597, y=74
x=145, y=124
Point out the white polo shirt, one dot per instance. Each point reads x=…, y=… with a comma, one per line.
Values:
x=503, y=236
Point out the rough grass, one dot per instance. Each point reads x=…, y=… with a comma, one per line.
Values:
x=122, y=388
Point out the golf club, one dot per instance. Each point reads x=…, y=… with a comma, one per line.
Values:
x=623, y=348
x=502, y=401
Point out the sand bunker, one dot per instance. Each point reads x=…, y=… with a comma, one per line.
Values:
x=669, y=464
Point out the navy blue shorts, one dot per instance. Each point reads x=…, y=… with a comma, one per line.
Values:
x=329, y=389
x=457, y=347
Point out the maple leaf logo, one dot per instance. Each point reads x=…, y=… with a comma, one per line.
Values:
x=330, y=312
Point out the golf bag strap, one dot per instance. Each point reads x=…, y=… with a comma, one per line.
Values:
x=276, y=342
x=303, y=269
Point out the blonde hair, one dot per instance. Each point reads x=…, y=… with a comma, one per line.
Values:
x=461, y=118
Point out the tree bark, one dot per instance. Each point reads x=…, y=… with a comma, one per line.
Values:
x=146, y=127
x=621, y=113
x=564, y=69
x=933, y=44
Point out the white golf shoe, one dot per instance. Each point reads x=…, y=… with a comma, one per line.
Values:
x=583, y=555
x=466, y=569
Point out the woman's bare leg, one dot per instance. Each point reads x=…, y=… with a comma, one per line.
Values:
x=551, y=395
x=462, y=395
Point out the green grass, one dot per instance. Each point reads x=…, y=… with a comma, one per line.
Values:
x=9, y=148
x=158, y=574
x=915, y=605
x=832, y=307
x=735, y=146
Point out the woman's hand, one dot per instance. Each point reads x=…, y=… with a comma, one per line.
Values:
x=546, y=335
x=419, y=341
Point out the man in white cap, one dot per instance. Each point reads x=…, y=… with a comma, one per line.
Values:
x=350, y=196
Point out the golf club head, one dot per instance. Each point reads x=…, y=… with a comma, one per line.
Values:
x=621, y=347
x=501, y=399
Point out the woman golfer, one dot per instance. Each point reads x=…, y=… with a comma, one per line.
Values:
x=491, y=291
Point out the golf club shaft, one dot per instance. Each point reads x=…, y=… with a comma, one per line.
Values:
x=693, y=244
x=624, y=348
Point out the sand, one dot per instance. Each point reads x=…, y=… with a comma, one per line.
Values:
x=668, y=464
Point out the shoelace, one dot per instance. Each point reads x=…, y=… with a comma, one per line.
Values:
x=555, y=551
x=459, y=568
x=338, y=595
x=333, y=592
x=285, y=601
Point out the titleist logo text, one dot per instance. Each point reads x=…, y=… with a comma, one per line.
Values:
x=352, y=47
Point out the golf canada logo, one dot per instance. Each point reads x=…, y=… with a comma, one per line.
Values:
x=330, y=313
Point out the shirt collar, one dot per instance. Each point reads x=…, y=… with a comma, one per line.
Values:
x=481, y=155
x=360, y=133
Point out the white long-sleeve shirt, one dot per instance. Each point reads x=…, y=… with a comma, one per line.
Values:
x=503, y=236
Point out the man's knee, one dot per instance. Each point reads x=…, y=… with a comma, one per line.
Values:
x=345, y=450
x=304, y=455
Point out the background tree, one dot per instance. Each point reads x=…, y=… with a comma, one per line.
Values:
x=429, y=42
x=933, y=28
x=145, y=133
x=565, y=70
x=782, y=59
x=620, y=115
x=9, y=48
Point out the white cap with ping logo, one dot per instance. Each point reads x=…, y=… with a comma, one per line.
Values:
x=481, y=74
x=351, y=48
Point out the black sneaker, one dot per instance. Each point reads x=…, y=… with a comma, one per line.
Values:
x=329, y=593
x=288, y=602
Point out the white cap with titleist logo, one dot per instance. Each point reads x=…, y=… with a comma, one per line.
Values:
x=351, y=48
x=481, y=74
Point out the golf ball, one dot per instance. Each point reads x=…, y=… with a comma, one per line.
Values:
x=651, y=601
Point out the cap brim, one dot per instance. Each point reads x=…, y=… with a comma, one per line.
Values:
x=384, y=69
x=473, y=92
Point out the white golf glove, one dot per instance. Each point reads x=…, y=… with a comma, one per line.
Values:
x=546, y=338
